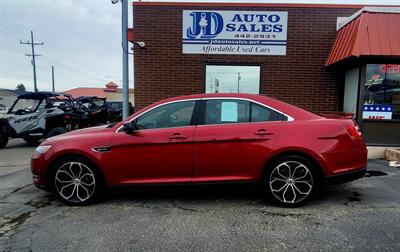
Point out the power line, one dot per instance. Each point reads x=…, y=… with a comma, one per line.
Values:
x=33, y=55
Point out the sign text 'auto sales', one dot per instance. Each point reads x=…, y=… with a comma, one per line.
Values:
x=234, y=32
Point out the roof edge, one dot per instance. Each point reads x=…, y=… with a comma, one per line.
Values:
x=373, y=9
x=255, y=4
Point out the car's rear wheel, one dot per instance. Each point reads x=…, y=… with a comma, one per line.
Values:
x=77, y=181
x=290, y=180
x=3, y=140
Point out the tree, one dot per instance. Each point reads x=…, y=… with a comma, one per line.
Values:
x=21, y=87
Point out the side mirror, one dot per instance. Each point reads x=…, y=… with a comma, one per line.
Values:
x=129, y=127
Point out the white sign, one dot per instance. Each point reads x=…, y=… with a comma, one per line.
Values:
x=377, y=112
x=229, y=112
x=234, y=32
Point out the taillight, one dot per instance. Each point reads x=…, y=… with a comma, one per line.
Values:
x=354, y=132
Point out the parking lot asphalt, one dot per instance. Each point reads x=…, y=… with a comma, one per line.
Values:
x=361, y=215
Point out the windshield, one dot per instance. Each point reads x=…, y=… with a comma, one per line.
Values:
x=115, y=105
x=98, y=102
x=25, y=106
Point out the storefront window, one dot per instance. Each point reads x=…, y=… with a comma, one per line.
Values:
x=382, y=92
x=232, y=79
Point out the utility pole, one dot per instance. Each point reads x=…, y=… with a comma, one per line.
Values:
x=52, y=79
x=33, y=55
x=238, y=82
x=216, y=85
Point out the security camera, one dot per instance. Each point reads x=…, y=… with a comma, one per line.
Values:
x=141, y=44
x=114, y=1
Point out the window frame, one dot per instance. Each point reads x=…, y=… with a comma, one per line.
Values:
x=203, y=105
x=193, y=120
x=245, y=64
x=198, y=115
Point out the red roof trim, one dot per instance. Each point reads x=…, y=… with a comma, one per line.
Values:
x=285, y=5
x=371, y=34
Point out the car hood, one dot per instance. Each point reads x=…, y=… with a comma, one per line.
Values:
x=89, y=132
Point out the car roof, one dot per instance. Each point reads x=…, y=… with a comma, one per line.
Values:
x=294, y=111
x=40, y=95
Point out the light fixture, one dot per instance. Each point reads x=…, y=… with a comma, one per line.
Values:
x=141, y=44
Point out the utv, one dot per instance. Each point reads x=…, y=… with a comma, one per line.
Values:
x=35, y=116
x=97, y=109
x=115, y=110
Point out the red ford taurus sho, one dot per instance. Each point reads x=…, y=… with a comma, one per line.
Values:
x=206, y=138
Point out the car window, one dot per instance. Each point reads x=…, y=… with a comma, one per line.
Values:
x=226, y=111
x=262, y=114
x=176, y=114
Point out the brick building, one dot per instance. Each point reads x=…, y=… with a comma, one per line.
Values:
x=296, y=57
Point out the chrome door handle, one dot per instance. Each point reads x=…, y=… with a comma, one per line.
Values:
x=263, y=132
x=177, y=136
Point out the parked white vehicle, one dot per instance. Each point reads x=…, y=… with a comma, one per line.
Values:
x=3, y=109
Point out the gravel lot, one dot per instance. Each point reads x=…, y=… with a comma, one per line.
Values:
x=362, y=215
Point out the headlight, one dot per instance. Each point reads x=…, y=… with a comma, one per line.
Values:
x=42, y=149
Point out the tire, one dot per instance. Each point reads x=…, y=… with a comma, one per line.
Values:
x=290, y=180
x=3, y=140
x=56, y=131
x=76, y=181
x=32, y=140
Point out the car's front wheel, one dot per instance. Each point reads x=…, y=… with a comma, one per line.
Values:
x=77, y=181
x=290, y=180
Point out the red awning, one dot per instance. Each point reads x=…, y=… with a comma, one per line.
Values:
x=368, y=34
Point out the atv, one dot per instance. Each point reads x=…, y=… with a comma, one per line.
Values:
x=35, y=116
x=97, y=110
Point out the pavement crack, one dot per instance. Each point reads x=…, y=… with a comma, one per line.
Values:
x=14, y=223
x=295, y=215
x=183, y=208
x=39, y=204
x=15, y=190
x=354, y=198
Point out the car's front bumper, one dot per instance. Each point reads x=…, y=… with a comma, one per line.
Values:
x=38, y=165
x=346, y=177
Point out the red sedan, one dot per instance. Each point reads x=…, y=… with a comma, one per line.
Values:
x=205, y=138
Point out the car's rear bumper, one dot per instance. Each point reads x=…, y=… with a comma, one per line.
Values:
x=346, y=177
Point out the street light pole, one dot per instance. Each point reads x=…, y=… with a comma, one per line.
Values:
x=125, y=62
x=52, y=79
x=238, y=82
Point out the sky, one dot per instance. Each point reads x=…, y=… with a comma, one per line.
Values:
x=82, y=39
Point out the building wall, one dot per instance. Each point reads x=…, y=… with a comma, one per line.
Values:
x=300, y=77
x=117, y=96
